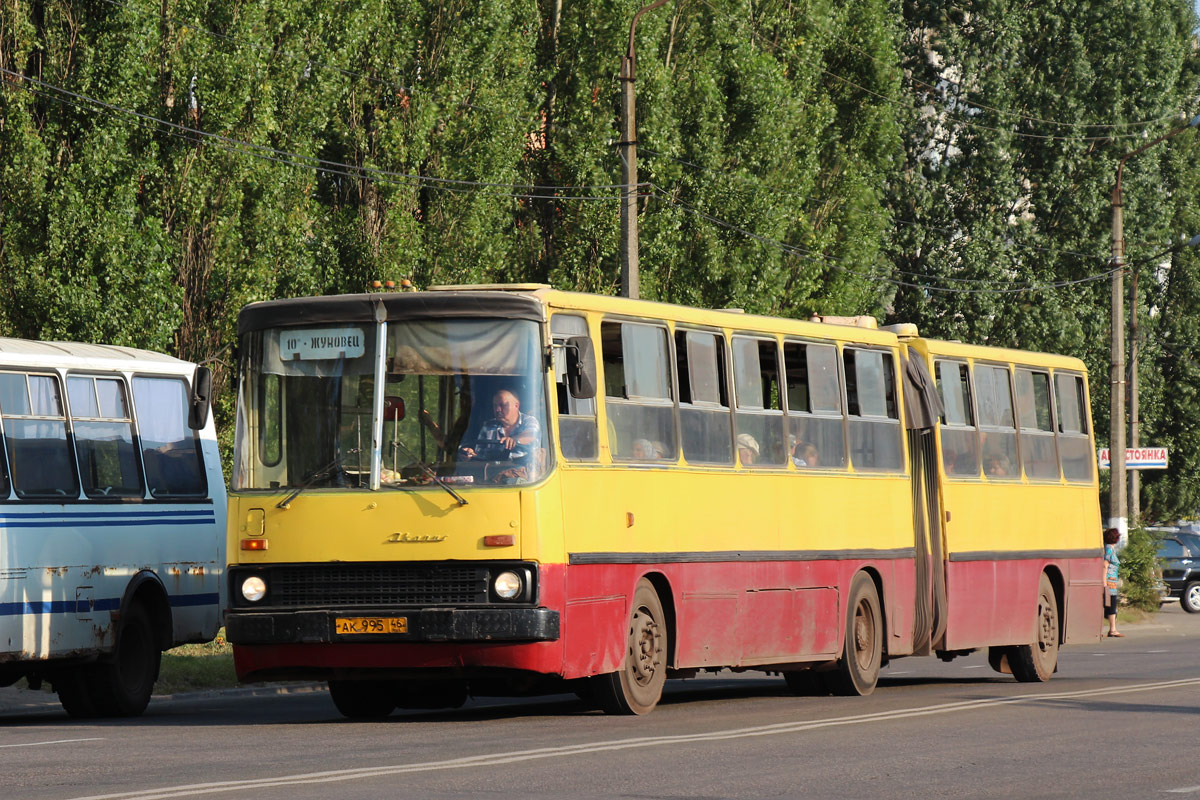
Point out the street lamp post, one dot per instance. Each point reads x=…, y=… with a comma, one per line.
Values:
x=1117, y=511
x=629, y=191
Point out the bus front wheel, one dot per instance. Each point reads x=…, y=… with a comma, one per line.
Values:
x=363, y=699
x=1036, y=662
x=637, y=687
x=862, y=655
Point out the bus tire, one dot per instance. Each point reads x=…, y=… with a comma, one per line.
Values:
x=862, y=654
x=122, y=682
x=74, y=693
x=637, y=687
x=1033, y=663
x=363, y=699
x=1189, y=598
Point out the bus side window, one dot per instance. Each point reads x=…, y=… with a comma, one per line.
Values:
x=1038, y=452
x=576, y=416
x=703, y=397
x=960, y=438
x=170, y=449
x=996, y=425
x=816, y=431
x=35, y=427
x=1074, y=444
x=103, y=427
x=637, y=380
x=874, y=416
x=758, y=391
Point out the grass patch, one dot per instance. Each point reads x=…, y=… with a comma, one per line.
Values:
x=197, y=667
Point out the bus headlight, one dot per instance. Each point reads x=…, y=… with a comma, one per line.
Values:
x=507, y=585
x=254, y=588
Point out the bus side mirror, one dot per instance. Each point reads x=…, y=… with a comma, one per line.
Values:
x=581, y=367
x=201, y=398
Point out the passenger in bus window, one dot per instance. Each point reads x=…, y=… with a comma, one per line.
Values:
x=508, y=436
x=644, y=450
x=747, y=447
x=805, y=455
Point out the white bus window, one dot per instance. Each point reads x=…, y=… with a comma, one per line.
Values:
x=169, y=451
x=576, y=416
x=703, y=397
x=103, y=437
x=960, y=439
x=36, y=436
x=996, y=425
x=874, y=415
x=816, y=433
x=1038, y=452
x=760, y=438
x=641, y=410
x=1074, y=444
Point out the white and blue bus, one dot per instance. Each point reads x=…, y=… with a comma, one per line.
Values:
x=112, y=519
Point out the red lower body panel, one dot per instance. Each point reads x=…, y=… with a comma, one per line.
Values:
x=995, y=602
x=730, y=613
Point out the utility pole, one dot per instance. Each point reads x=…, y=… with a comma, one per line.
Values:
x=629, y=176
x=1118, y=516
x=1135, y=476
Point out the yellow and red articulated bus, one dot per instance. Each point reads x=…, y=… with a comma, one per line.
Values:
x=511, y=489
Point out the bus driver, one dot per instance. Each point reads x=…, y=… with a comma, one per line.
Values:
x=508, y=436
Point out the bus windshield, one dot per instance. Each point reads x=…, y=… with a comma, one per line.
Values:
x=463, y=402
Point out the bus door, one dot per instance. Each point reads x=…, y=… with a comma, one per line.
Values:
x=922, y=409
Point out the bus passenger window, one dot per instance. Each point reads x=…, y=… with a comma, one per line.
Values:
x=169, y=447
x=1038, y=452
x=703, y=397
x=759, y=398
x=103, y=437
x=816, y=432
x=638, y=391
x=874, y=416
x=996, y=426
x=960, y=439
x=1074, y=444
x=576, y=416
x=35, y=429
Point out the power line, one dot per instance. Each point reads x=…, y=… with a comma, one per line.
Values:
x=238, y=146
x=809, y=255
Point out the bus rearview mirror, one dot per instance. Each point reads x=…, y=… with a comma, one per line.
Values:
x=201, y=398
x=581, y=368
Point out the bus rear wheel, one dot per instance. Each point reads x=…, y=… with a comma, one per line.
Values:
x=74, y=693
x=121, y=684
x=637, y=687
x=363, y=699
x=1032, y=663
x=862, y=655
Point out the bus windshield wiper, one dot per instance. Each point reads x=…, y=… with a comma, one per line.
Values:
x=428, y=471
x=321, y=472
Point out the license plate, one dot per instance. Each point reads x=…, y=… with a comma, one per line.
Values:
x=369, y=625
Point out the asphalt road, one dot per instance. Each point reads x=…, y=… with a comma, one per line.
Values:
x=1120, y=719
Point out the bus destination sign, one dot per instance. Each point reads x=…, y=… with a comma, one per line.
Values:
x=1138, y=458
x=321, y=343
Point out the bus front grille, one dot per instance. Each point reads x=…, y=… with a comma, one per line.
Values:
x=365, y=586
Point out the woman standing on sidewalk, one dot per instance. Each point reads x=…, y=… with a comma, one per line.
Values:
x=1111, y=537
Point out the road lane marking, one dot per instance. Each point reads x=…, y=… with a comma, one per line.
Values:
x=1184, y=790
x=512, y=757
x=55, y=741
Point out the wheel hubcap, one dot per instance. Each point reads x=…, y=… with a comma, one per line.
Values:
x=645, y=647
x=864, y=635
x=1048, y=637
x=1193, y=597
